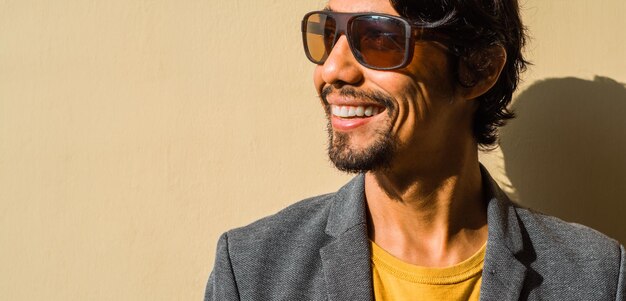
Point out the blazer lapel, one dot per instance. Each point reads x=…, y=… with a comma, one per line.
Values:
x=503, y=275
x=346, y=259
x=508, y=256
x=347, y=268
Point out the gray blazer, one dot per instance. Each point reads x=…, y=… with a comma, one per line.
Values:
x=318, y=249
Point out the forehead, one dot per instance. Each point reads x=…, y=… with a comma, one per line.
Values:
x=353, y=6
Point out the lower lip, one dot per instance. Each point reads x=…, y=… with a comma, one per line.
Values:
x=348, y=124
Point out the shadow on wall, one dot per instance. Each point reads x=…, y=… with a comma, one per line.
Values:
x=565, y=153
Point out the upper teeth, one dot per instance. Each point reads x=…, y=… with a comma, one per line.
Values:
x=351, y=111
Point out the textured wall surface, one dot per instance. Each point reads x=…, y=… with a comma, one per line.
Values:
x=133, y=133
x=563, y=155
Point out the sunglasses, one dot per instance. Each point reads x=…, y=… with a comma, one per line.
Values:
x=377, y=41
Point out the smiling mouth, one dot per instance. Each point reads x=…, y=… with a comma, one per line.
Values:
x=355, y=111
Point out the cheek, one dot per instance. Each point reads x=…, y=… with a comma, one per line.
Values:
x=419, y=102
x=410, y=117
x=432, y=69
x=403, y=87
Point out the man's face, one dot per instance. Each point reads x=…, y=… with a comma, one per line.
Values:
x=414, y=110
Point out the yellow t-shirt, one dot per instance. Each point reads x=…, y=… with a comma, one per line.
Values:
x=396, y=280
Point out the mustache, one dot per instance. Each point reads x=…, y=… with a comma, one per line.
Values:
x=373, y=96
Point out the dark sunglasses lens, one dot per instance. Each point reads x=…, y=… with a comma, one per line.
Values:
x=319, y=36
x=380, y=41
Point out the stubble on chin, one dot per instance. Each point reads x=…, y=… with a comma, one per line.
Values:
x=376, y=156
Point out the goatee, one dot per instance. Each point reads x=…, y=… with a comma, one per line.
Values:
x=376, y=156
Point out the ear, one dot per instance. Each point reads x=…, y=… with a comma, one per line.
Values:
x=479, y=71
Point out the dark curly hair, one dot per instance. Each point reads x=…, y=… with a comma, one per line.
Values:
x=472, y=26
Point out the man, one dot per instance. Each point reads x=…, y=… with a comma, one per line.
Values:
x=411, y=90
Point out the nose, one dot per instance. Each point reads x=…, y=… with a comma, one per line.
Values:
x=341, y=67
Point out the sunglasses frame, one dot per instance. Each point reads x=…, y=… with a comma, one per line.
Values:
x=343, y=22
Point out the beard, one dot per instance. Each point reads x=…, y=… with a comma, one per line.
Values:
x=378, y=155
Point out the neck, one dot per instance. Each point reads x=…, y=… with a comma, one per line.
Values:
x=432, y=214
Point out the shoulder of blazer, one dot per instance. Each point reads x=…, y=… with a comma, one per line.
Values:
x=570, y=255
x=575, y=241
x=302, y=222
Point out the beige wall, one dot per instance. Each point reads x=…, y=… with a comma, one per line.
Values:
x=133, y=133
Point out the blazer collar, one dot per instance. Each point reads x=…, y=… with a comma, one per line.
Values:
x=346, y=259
